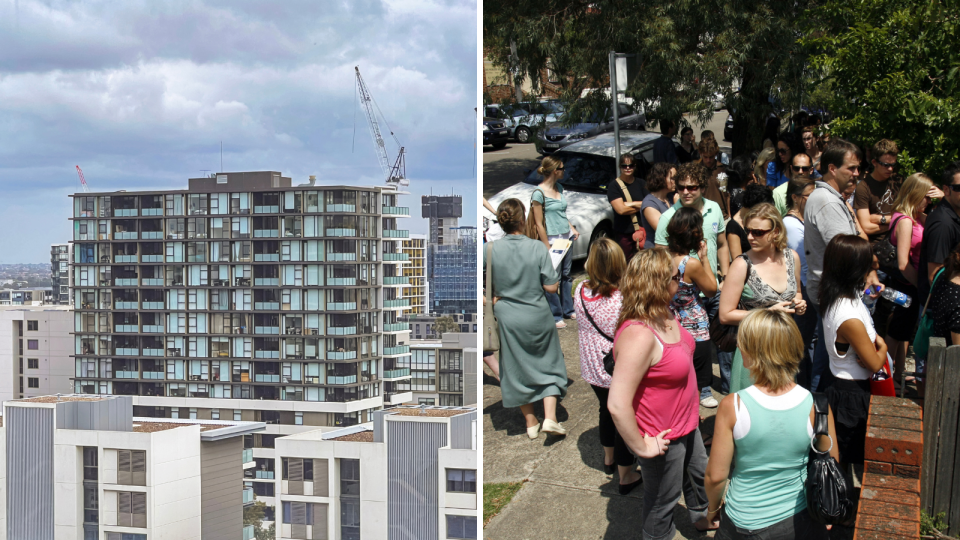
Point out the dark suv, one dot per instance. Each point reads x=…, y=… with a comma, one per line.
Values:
x=495, y=132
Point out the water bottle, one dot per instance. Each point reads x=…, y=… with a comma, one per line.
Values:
x=896, y=297
x=871, y=303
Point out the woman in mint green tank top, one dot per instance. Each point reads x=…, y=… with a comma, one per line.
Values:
x=762, y=438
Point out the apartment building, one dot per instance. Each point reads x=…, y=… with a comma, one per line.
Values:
x=411, y=475
x=26, y=297
x=444, y=371
x=416, y=249
x=82, y=467
x=425, y=326
x=451, y=257
x=60, y=273
x=36, y=351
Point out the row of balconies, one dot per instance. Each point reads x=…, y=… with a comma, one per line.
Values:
x=257, y=306
x=397, y=211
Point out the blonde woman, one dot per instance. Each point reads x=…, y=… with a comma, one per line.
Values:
x=654, y=394
x=766, y=276
x=764, y=159
x=764, y=433
x=548, y=207
x=906, y=233
x=597, y=301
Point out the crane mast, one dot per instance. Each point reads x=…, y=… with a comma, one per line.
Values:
x=397, y=173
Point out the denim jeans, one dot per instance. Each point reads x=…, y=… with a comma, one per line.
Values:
x=725, y=359
x=807, y=323
x=821, y=360
x=799, y=526
x=561, y=304
x=682, y=467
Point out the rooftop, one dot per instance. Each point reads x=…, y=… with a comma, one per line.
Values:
x=55, y=399
x=428, y=411
x=151, y=427
x=362, y=436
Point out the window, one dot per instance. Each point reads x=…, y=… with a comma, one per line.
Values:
x=90, y=463
x=426, y=401
x=32, y=326
x=298, y=419
x=33, y=382
x=461, y=481
x=350, y=499
x=214, y=414
x=33, y=344
x=461, y=526
x=237, y=415
x=132, y=467
x=193, y=414
x=174, y=412
x=299, y=514
x=33, y=363
x=125, y=536
x=131, y=509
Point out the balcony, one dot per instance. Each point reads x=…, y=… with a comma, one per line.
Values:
x=348, y=379
x=399, y=303
x=248, y=531
x=152, y=375
x=341, y=330
x=271, y=330
x=396, y=233
x=152, y=305
x=271, y=209
x=152, y=282
x=340, y=232
x=396, y=327
x=264, y=377
x=396, y=373
x=341, y=306
x=125, y=235
x=125, y=258
x=266, y=257
x=333, y=257
x=266, y=233
x=152, y=235
x=125, y=282
x=126, y=375
x=267, y=282
x=341, y=281
x=396, y=210
x=266, y=475
x=125, y=328
x=396, y=398
x=341, y=355
x=153, y=352
x=248, y=455
x=152, y=258
x=152, y=211
x=341, y=208
x=152, y=329
x=248, y=497
x=126, y=352
x=396, y=280
x=266, y=306
x=124, y=305
x=125, y=212
x=396, y=257
x=400, y=349
x=266, y=354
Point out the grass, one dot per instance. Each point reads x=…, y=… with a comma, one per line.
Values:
x=930, y=526
x=496, y=496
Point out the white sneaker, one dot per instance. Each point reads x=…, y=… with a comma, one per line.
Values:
x=709, y=402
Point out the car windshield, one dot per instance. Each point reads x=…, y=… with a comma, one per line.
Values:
x=582, y=172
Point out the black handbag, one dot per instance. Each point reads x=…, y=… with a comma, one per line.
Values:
x=724, y=336
x=607, y=358
x=828, y=496
x=886, y=252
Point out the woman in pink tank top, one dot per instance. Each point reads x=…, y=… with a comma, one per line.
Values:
x=654, y=399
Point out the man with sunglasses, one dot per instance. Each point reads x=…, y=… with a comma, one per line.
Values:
x=802, y=167
x=627, y=204
x=941, y=232
x=691, y=182
x=874, y=196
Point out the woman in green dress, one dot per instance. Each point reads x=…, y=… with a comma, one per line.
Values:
x=531, y=362
x=766, y=276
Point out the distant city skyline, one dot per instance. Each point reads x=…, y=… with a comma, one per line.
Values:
x=140, y=96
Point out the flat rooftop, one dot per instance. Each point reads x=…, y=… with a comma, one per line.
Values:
x=55, y=399
x=363, y=436
x=417, y=411
x=151, y=427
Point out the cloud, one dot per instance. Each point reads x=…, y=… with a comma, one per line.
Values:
x=142, y=93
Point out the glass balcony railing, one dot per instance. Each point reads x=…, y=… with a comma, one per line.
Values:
x=396, y=280
x=401, y=302
x=152, y=305
x=248, y=495
x=248, y=532
x=396, y=257
x=342, y=281
x=266, y=281
x=152, y=282
x=153, y=329
x=126, y=282
x=341, y=232
x=124, y=305
x=120, y=351
x=400, y=349
x=125, y=235
x=126, y=258
x=126, y=374
x=266, y=257
x=341, y=355
x=396, y=327
x=266, y=354
x=152, y=235
x=265, y=377
x=396, y=233
x=341, y=208
x=247, y=457
x=266, y=233
x=151, y=258
x=265, y=474
x=153, y=352
x=396, y=210
x=125, y=212
x=341, y=256
x=266, y=209
x=266, y=330
x=152, y=375
x=349, y=379
x=396, y=373
x=266, y=306
x=125, y=327
x=341, y=306
x=341, y=330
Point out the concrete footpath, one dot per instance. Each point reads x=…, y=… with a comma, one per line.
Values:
x=566, y=494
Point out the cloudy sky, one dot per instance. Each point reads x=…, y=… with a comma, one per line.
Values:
x=141, y=93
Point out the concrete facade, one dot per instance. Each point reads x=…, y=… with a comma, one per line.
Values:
x=52, y=356
x=60, y=274
x=444, y=371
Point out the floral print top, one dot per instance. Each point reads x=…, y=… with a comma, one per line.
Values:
x=686, y=306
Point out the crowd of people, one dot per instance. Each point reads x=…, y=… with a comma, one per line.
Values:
x=802, y=268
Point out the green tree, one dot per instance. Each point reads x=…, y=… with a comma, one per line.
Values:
x=253, y=515
x=445, y=324
x=893, y=67
x=689, y=51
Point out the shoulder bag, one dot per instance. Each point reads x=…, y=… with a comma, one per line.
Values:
x=491, y=328
x=531, y=226
x=921, y=342
x=886, y=251
x=724, y=336
x=639, y=233
x=607, y=358
x=828, y=496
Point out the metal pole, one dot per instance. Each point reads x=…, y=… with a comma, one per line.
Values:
x=614, y=101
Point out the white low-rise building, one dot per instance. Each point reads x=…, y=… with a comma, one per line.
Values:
x=36, y=344
x=82, y=467
x=411, y=475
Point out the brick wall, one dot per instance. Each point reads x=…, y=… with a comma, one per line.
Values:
x=890, y=494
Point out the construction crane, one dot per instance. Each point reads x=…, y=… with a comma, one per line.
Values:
x=398, y=173
x=83, y=182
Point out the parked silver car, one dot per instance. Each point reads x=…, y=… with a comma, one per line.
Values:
x=557, y=135
x=589, y=165
x=526, y=119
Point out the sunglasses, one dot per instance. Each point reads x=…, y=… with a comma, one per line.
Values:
x=628, y=166
x=559, y=169
x=782, y=151
x=696, y=187
x=954, y=187
x=757, y=233
x=798, y=168
x=887, y=165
